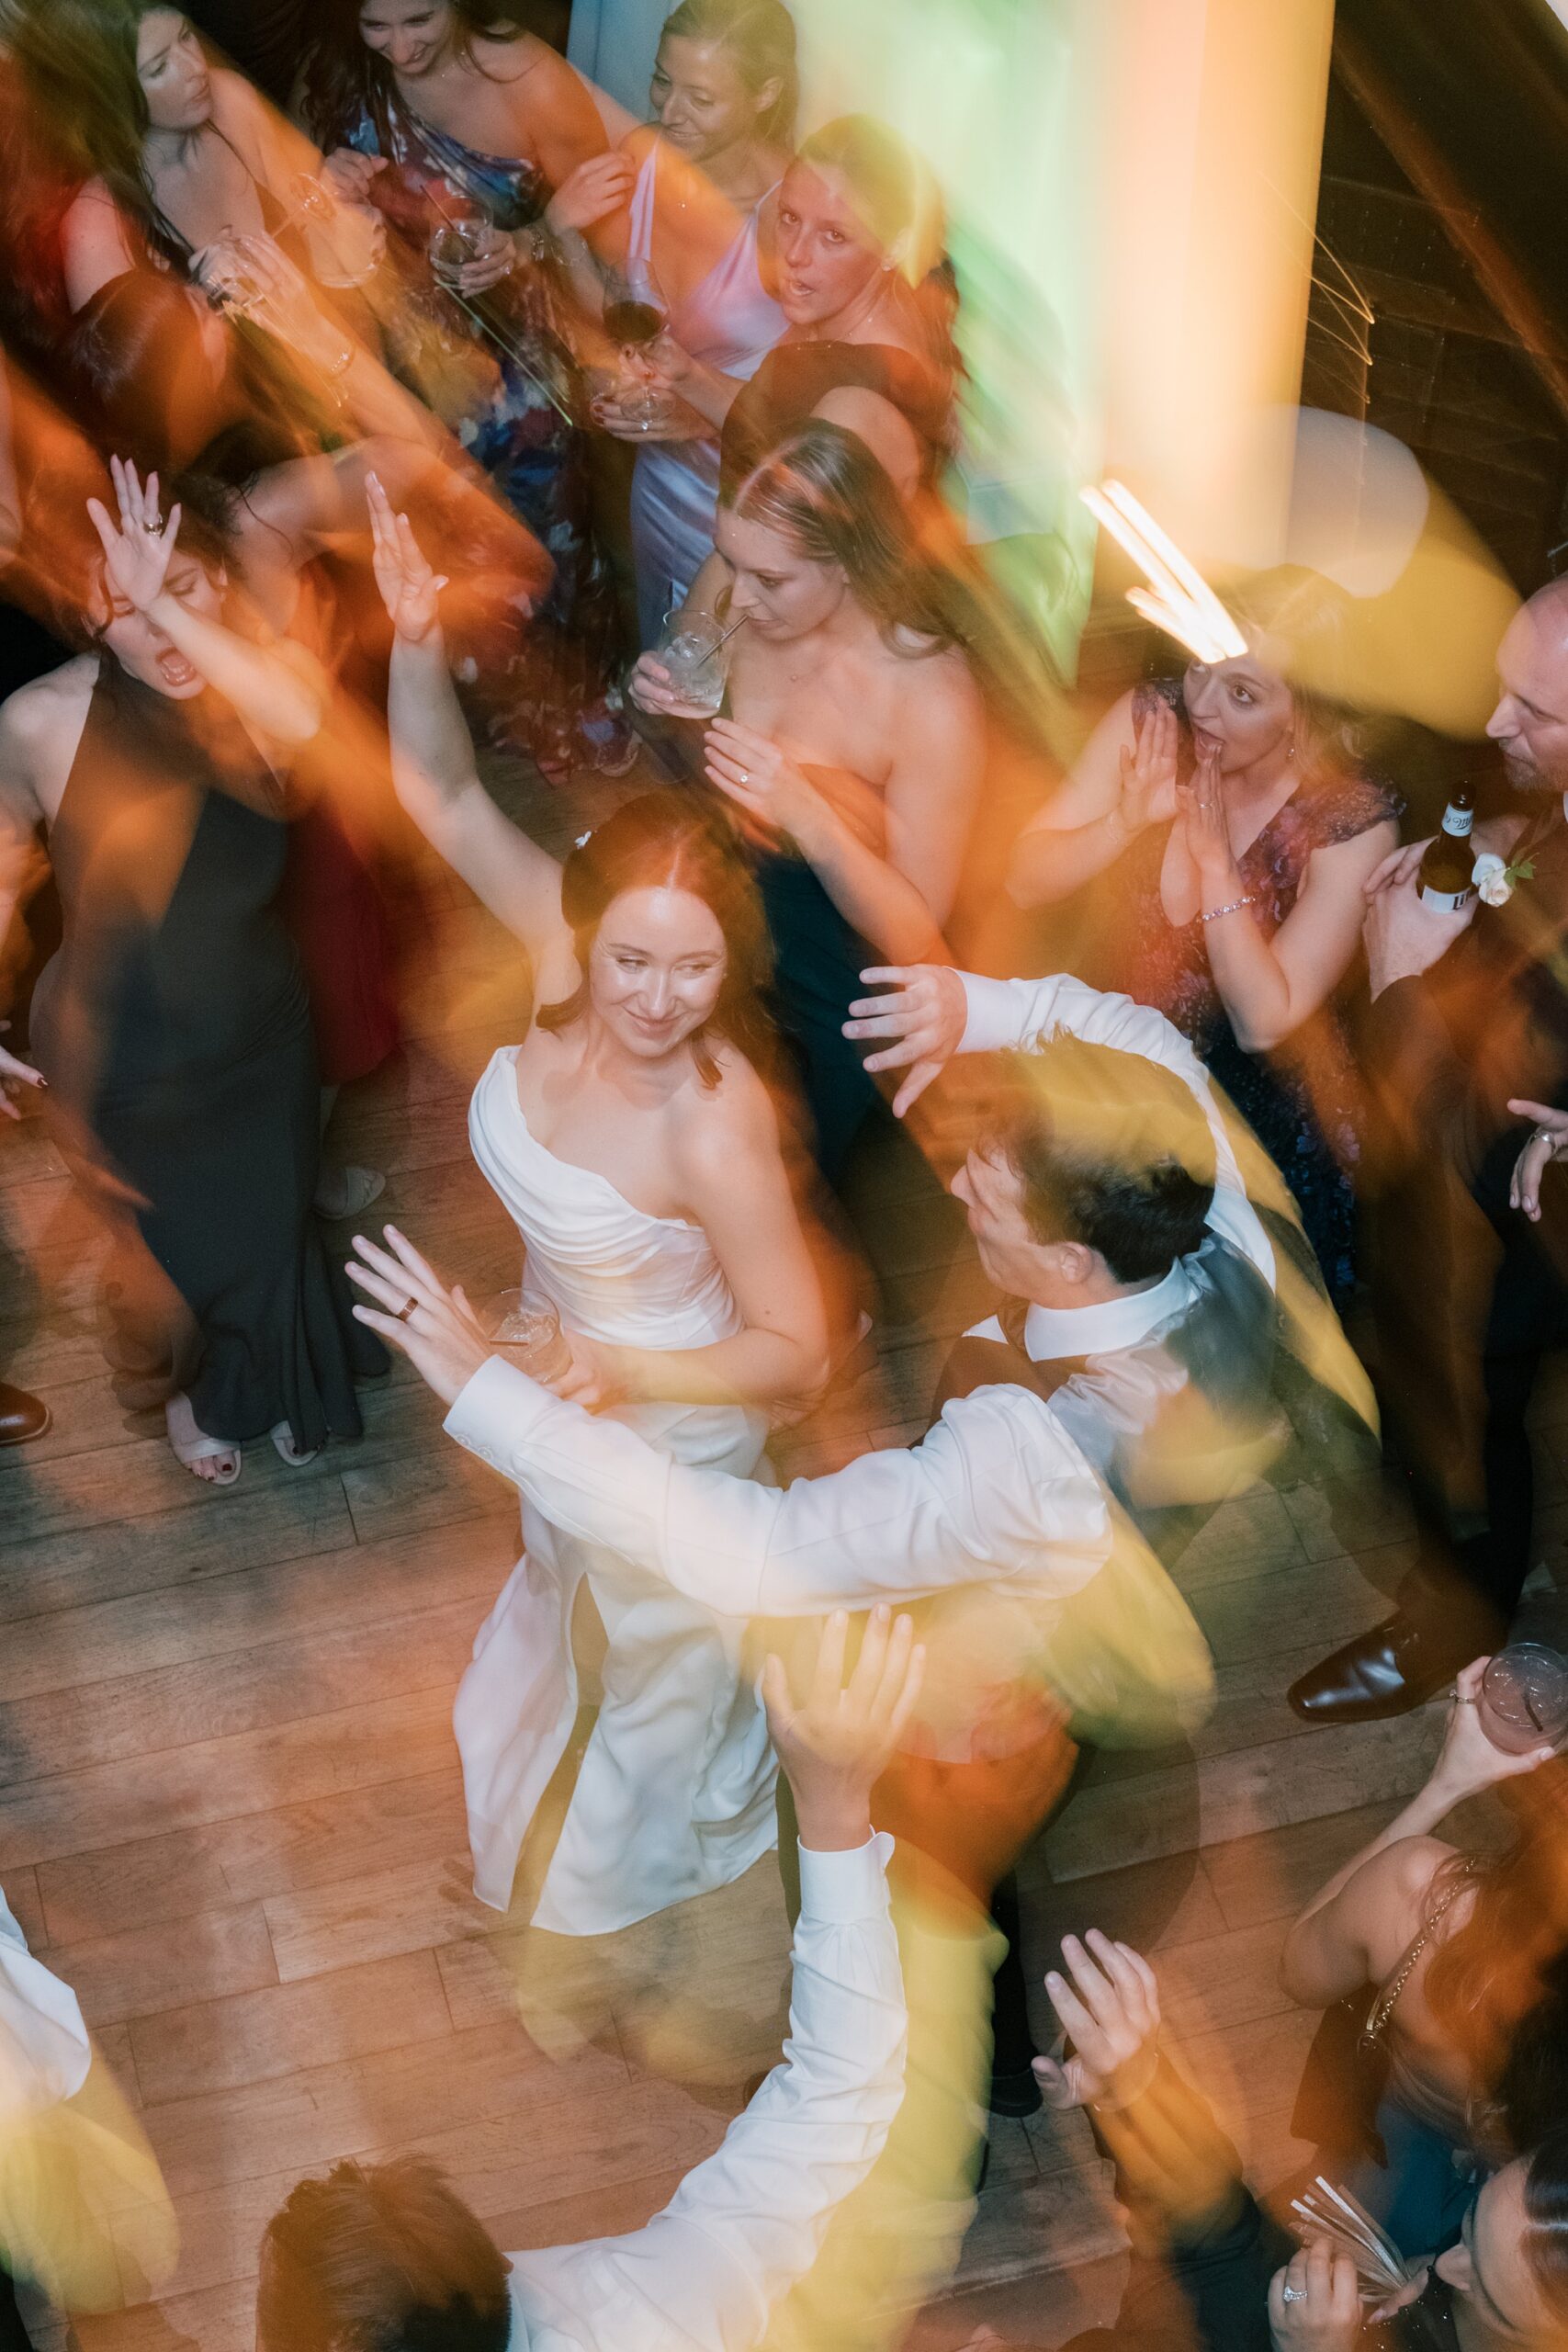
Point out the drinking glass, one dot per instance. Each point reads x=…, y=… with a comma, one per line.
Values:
x=693, y=649
x=1523, y=1698
x=352, y=236
x=453, y=243
x=635, y=315
x=532, y=1335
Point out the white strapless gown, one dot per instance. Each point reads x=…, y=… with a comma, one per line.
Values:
x=675, y=1792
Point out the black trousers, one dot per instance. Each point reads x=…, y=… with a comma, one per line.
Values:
x=13, y=2336
x=1464, y=1587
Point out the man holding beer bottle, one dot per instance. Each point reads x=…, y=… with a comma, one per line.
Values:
x=1467, y=1042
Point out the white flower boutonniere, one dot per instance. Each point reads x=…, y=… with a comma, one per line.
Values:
x=1496, y=880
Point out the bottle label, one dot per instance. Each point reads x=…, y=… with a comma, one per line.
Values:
x=1458, y=821
x=1448, y=902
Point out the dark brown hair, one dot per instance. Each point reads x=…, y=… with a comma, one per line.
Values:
x=822, y=488
x=663, y=841
x=381, y=2258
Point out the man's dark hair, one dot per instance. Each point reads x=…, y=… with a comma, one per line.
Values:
x=381, y=2258
x=1546, y=2221
x=1114, y=1152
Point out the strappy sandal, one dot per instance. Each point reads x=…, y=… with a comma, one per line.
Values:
x=342, y=1193
x=189, y=1451
x=289, y=1447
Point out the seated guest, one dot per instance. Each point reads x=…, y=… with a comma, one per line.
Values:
x=1213, y=2272
x=1444, y=1953
x=1466, y=1040
x=386, y=2259
x=1235, y=825
x=851, y=743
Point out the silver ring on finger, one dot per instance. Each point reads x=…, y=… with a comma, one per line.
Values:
x=1293, y=2295
x=745, y=775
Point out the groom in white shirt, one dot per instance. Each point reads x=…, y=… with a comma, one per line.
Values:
x=1000, y=1519
x=999, y=1496
x=387, y=2258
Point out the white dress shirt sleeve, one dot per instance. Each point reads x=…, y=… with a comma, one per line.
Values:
x=1022, y=1015
x=997, y=1491
x=705, y=2274
x=44, y=2050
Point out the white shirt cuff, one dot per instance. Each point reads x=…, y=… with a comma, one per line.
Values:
x=499, y=1405
x=848, y=1884
x=992, y=1024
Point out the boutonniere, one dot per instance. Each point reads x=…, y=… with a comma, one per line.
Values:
x=1495, y=880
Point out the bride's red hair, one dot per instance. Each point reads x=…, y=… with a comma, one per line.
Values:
x=668, y=840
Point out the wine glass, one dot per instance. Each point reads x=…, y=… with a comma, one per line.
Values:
x=352, y=236
x=635, y=315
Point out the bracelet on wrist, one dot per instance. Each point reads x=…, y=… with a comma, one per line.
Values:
x=1232, y=907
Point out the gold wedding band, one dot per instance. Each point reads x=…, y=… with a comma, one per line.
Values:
x=406, y=1309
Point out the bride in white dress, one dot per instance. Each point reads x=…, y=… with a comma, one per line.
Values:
x=637, y=1150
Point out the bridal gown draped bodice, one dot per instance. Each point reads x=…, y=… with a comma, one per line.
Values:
x=674, y=1792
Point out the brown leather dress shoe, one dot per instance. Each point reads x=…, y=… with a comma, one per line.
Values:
x=1387, y=1671
x=21, y=1416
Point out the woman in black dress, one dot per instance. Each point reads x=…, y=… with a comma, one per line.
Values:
x=173, y=1024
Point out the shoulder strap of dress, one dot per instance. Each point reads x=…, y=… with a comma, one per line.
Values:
x=640, y=243
x=1385, y=2000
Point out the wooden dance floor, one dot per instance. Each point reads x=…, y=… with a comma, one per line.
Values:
x=231, y=1814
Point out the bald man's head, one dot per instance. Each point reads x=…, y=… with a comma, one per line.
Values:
x=1530, y=722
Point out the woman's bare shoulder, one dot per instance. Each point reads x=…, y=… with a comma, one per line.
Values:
x=41, y=726
x=39, y=706
x=733, y=1114
x=514, y=59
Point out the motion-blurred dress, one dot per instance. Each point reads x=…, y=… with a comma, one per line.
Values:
x=729, y=321
x=498, y=373
x=173, y=1030
x=674, y=1792
x=1303, y=1102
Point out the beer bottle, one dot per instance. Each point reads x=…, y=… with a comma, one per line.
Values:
x=1446, y=868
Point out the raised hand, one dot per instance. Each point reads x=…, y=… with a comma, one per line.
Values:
x=838, y=1742
x=925, y=1009
x=1110, y=2009
x=415, y=1312
x=1549, y=1142
x=136, y=548
x=1148, y=769
x=410, y=588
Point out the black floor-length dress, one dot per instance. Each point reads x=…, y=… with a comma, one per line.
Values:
x=174, y=1029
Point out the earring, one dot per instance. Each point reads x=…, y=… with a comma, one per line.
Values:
x=1290, y=749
